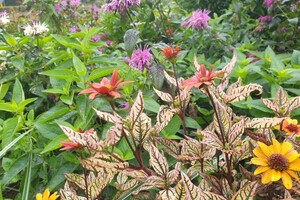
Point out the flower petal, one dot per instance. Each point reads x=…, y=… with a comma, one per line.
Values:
x=293, y=157
x=259, y=153
x=286, y=147
x=276, y=146
x=295, y=165
x=267, y=150
x=276, y=175
x=286, y=180
x=46, y=194
x=261, y=169
x=259, y=161
x=39, y=196
x=54, y=196
x=293, y=174
x=266, y=177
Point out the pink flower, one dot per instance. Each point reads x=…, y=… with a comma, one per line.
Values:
x=75, y=3
x=269, y=3
x=199, y=20
x=108, y=42
x=95, y=38
x=74, y=29
x=120, y=5
x=265, y=19
x=126, y=106
x=141, y=58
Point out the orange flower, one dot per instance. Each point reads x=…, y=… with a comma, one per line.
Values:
x=46, y=195
x=170, y=32
x=201, y=77
x=290, y=126
x=73, y=145
x=171, y=53
x=106, y=87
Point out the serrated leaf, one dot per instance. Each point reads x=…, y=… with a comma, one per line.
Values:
x=192, y=191
x=263, y=122
x=246, y=192
x=18, y=92
x=79, y=66
x=158, y=161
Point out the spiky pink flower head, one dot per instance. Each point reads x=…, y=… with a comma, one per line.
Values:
x=120, y=5
x=74, y=29
x=141, y=58
x=269, y=3
x=95, y=9
x=95, y=38
x=199, y=20
x=265, y=19
x=75, y=3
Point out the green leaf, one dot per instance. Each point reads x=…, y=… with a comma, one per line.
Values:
x=171, y=129
x=93, y=31
x=55, y=143
x=54, y=113
x=79, y=66
x=10, y=127
x=59, y=73
x=3, y=90
x=14, y=170
x=67, y=42
x=59, y=177
x=18, y=62
x=100, y=72
x=24, y=103
x=10, y=39
x=130, y=39
x=295, y=59
x=7, y=107
x=18, y=93
x=26, y=188
x=67, y=99
x=191, y=123
x=54, y=91
x=151, y=104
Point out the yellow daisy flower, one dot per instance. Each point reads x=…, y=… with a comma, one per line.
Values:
x=290, y=126
x=277, y=161
x=46, y=195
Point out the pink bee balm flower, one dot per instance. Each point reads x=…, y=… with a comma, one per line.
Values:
x=106, y=87
x=199, y=20
x=95, y=38
x=269, y=3
x=141, y=58
x=75, y=3
x=120, y=5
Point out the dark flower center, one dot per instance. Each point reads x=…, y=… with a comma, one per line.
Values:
x=278, y=162
x=292, y=128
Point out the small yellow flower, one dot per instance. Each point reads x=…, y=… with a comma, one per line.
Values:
x=277, y=161
x=290, y=126
x=47, y=196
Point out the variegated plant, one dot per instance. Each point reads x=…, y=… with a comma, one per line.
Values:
x=211, y=164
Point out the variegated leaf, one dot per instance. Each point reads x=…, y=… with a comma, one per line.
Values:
x=141, y=128
x=263, y=122
x=170, y=146
x=170, y=79
x=114, y=133
x=99, y=183
x=236, y=132
x=231, y=87
x=69, y=194
x=248, y=175
x=192, y=191
x=196, y=64
x=191, y=148
x=214, y=182
x=173, y=175
x=222, y=119
x=246, y=192
x=105, y=116
x=158, y=161
x=167, y=194
x=121, y=178
x=103, y=162
x=205, y=195
x=137, y=108
x=185, y=98
x=212, y=140
x=151, y=182
x=293, y=104
x=164, y=116
x=180, y=193
x=242, y=92
x=281, y=98
x=139, y=175
x=164, y=96
x=271, y=105
x=128, y=185
x=90, y=140
x=227, y=71
x=77, y=179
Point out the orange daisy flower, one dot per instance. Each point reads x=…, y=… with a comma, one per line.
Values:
x=290, y=126
x=171, y=53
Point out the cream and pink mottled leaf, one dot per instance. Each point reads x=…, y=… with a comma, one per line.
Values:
x=174, y=174
x=167, y=194
x=141, y=128
x=164, y=96
x=246, y=192
x=227, y=71
x=281, y=98
x=151, y=182
x=212, y=140
x=170, y=146
x=139, y=175
x=222, y=119
x=293, y=104
x=205, y=195
x=263, y=122
x=242, y=92
x=114, y=133
x=235, y=133
x=77, y=179
x=192, y=191
x=69, y=194
x=100, y=162
x=164, y=116
x=89, y=140
x=180, y=193
x=271, y=105
x=99, y=183
x=137, y=108
x=170, y=79
x=158, y=161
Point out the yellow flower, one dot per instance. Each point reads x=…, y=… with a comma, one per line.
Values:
x=290, y=126
x=46, y=195
x=277, y=161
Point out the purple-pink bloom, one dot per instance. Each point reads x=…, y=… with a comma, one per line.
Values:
x=199, y=20
x=141, y=58
x=120, y=5
x=95, y=38
x=75, y=3
x=108, y=42
x=104, y=35
x=265, y=19
x=126, y=106
x=269, y=3
x=95, y=9
x=3, y=12
x=74, y=29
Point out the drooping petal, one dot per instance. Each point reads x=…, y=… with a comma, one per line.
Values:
x=265, y=149
x=93, y=95
x=87, y=91
x=286, y=180
x=46, y=194
x=259, y=161
x=114, y=77
x=261, y=169
x=39, y=196
x=295, y=165
x=114, y=94
x=54, y=196
x=276, y=175
x=293, y=174
x=266, y=177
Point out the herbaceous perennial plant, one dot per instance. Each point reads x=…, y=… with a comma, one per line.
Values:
x=214, y=153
